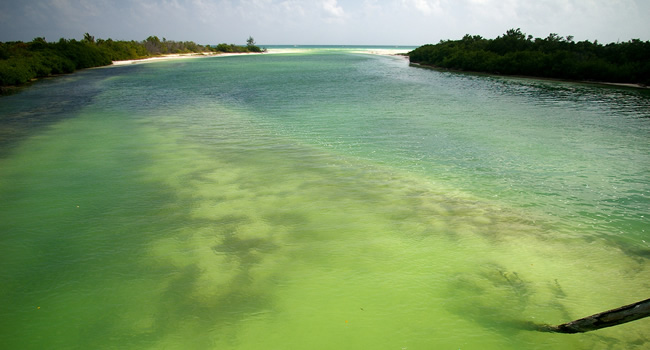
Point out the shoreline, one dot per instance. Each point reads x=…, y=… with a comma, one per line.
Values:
x=11, y=89
x=175, y=56
x=625, y=85
x=167, y=57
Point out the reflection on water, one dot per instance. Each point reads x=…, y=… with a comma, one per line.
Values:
x=322, y=201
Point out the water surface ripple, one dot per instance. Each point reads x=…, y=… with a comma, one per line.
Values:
x=319, y=200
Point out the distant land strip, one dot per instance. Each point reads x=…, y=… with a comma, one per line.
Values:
x=22, y=62
x=515, y=53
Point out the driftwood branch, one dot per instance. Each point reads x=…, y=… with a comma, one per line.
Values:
x=605, y=319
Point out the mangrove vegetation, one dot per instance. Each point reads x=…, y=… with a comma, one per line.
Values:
x=21, y=62
x=515, y=53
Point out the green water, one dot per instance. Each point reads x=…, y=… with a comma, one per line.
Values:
x=325, y=200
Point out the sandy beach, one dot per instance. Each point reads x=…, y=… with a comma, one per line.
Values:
x=163, y=58
x=384, y=52
x=205, y=54
x=388, y=52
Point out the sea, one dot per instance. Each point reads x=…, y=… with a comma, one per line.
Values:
x=322, y=198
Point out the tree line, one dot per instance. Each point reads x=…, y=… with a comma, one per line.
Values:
x=21, y=62
x=515, y=53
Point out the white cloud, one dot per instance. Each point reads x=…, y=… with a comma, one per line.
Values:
x=333, y=9
x=495, y=10
x=426, y=7
x=292, y=8
x=322, y=21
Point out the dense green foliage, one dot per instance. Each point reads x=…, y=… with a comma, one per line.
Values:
x=515, y=53
x=21, y=62
x=231, y=48
x=250, y=45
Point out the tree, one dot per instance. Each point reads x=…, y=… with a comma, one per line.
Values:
x=153, y=45
x=553, y=57
x=250, y=45
x=38, y=43
x=20, y=62
x=89, y=38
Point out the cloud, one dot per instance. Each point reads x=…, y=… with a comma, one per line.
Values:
x=322, y=21
x=332, y=9
x=503, y=10
x=292, y=8
x=426, y=7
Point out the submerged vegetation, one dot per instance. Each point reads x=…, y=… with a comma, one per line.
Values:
x=21, y=62
x=516, y=53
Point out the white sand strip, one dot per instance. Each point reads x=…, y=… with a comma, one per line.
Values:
x=182, y=55
x=269, y=51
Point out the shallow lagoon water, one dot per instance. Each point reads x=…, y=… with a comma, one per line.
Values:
x=321, y=200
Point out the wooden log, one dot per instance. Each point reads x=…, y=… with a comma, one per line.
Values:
x=605, y=319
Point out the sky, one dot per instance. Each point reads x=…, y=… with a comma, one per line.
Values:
x=322, y=22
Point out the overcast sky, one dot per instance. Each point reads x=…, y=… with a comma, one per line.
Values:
x=347, y=22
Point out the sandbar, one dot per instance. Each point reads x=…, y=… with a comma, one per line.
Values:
x=388, y=52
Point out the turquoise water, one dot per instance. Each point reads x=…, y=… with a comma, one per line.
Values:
x=320, y=200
